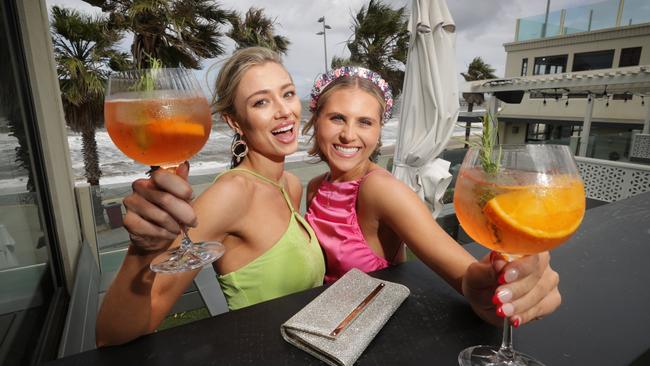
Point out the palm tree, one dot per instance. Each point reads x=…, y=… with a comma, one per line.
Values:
x=257, y=30
x=379, y=42
x=84, y=53
x=176, y=32
x=477, y=70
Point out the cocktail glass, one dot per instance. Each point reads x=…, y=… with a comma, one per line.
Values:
x=160, y=117
x=517, y=200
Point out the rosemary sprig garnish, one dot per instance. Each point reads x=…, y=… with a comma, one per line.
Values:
x=147, y=82
x=489, y=162
x=486, y=145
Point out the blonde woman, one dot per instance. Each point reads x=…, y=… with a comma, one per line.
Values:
x=256, y=96
x=363, y=216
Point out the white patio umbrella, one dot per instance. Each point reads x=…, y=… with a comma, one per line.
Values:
x=429, y=103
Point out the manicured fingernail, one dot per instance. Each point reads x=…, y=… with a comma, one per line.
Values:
x=500, y=312
x=508, y=276
x=495, y=299
x=515, y=323
x=506, y=309
x=502, y=297
x=511, y=275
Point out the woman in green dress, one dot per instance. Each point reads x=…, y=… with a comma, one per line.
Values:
x=256, y=96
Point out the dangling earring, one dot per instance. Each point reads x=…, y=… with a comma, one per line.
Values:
x=238, y=148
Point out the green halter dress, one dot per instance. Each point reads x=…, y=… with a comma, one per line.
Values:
x=294, y=263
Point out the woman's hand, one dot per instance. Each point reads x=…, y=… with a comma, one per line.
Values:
x=522, y=290
x=156, y=208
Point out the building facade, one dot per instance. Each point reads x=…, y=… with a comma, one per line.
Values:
x=594, y=41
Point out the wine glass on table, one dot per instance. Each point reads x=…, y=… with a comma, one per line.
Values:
x=160, y=117
x=517, y=200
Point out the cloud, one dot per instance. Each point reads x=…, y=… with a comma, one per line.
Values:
x=475, y=17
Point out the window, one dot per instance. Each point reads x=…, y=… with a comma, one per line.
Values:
x=524, y=67
x=537, y=132
x=593, y=60
x=31, y=275
x=630, y=57
x=549, y=133
x=550, y=65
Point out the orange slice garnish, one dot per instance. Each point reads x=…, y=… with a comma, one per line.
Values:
x=176, y=126
x=537, y=214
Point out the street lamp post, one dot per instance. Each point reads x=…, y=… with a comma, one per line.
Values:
x=324, y=34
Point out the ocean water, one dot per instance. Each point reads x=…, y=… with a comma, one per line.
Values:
x=117, y=168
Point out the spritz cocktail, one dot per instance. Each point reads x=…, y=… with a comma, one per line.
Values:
x=161, y=130
x=160, y=117
x=517, y=200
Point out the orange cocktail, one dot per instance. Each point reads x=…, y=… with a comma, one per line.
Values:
x=160, y=117
x=516, y=200
x=521, y=212
x=162, y=131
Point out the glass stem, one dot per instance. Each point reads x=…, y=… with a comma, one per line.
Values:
x=186, y=242
x=506, y=352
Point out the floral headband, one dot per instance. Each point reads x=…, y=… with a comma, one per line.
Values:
x=326, y=79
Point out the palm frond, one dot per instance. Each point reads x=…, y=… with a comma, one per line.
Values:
x=256, y=29
x=379, y=41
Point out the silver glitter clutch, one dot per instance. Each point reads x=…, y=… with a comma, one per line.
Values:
x=337, y=326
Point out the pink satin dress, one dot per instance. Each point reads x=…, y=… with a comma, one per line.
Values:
x=333, y=216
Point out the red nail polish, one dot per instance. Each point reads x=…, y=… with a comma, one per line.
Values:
x=502, y=278
x=500, y=312
x=496, y=300
x=516, y=323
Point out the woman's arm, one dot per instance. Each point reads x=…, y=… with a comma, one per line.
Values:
x=397, y=206
x=529, y=283
x=138, y=299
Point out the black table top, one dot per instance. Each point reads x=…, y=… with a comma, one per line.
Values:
x=604, y=318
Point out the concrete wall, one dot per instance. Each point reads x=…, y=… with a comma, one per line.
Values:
x=512, y=133
x=615, y=38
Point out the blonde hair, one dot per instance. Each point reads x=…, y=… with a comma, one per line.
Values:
x=344, y=82
x=231, y=73
x=228, y=79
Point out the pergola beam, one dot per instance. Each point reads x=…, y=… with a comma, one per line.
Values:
x=635, y=80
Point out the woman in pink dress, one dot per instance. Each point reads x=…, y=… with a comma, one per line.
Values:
x=363, y=216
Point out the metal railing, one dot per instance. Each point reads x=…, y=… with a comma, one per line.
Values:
x=606, y=14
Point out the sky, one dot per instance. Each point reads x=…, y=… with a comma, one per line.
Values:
x=482, y=27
